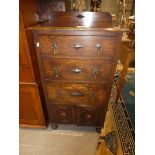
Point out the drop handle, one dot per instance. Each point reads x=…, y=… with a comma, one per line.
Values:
x=93, y=98
x=76, y=94
x=56, y=71
x=98, y=47
x=95, y=73
x=77, y=46
x=54, y=46
x=76, y=70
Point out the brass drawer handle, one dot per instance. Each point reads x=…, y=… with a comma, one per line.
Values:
x=98, y=47
x=76, y=94
x=56, y=71
x=54, y=46
x=78, y=45
x=76, y=70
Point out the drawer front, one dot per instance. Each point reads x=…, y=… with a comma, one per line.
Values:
x=76, y=45
x=62, y=114
x=91, y=115
x=75, y=69
x=75, y=94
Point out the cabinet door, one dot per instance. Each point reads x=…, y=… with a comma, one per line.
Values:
x=90, y=115
x=62, y=114
x=30, y=110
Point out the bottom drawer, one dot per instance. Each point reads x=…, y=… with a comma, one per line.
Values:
x=91, y=115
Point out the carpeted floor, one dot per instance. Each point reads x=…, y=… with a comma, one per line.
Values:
x=128, y=94
x=128, y=91
x=124, y=113
x=66, y=140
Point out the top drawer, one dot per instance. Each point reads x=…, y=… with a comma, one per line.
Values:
x=76, y=45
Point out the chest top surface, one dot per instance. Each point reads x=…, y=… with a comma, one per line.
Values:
x=77, y=21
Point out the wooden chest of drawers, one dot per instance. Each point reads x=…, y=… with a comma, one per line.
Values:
x=77, y=65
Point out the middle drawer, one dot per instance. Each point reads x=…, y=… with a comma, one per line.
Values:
x=81, y=94
x=77, y=69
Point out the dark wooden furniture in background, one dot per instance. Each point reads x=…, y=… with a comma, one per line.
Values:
x=46, y=7
x=77, y=55
x=31, y=99
x=95, y=5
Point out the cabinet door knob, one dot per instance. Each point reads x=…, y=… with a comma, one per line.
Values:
x=63, y=114
x=88, y=116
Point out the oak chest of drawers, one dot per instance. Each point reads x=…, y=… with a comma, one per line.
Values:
x=77, y=54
